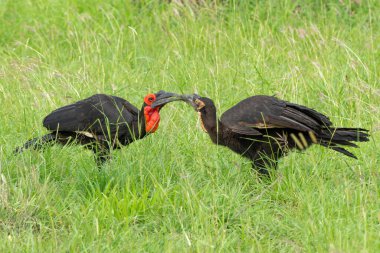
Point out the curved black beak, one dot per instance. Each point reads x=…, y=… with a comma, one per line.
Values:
x=163, y=97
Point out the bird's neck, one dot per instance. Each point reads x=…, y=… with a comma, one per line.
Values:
x=149, y=120
x=212, y=125
x=139, y=125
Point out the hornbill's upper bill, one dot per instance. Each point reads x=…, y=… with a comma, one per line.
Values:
x=102, y=122
x=162, y=98
x=264, y=129
x=167, y=98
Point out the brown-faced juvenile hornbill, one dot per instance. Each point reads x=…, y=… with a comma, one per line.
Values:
x=264, y=128
x=100, y=123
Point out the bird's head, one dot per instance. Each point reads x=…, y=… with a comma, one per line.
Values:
x=153, y=103
x=206, y=110
x=162, y=96
x=201, y=104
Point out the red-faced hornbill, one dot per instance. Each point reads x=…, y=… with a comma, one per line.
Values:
x=264, y=128
x=100, y=123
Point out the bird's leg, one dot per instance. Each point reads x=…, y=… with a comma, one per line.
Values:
x=266, y=157
x=102, y=153
x=262, y=164
x=102, y=157
x=261, y=170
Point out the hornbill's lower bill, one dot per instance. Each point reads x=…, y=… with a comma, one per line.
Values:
x=264, y=128
x=100, y=123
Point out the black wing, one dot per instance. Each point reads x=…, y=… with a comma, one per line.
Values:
x=255, y=113
x=98, y=114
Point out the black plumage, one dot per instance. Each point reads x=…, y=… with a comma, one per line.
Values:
x=264, y=129
x=100, y=123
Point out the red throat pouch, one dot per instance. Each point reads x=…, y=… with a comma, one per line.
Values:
x=152, y=119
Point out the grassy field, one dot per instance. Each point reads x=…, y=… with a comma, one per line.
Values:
x=175, y=191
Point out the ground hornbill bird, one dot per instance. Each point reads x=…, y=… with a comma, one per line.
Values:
x=264, y=128
x=100, y=123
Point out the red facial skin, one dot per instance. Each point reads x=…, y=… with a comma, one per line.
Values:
x=152, y=116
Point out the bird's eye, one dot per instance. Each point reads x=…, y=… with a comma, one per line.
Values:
x=200, y=104
x=149, y=99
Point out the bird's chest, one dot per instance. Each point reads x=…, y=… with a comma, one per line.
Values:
x=244, y=145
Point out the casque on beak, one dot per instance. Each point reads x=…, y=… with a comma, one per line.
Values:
x=167, y=97
x=163, y=97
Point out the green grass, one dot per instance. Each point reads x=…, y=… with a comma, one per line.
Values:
x=175, y=191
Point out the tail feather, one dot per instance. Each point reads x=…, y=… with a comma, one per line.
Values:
x=345, y=143
x=339, y=149
x=36, y=143
x=345, y=134
x=335, y=138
